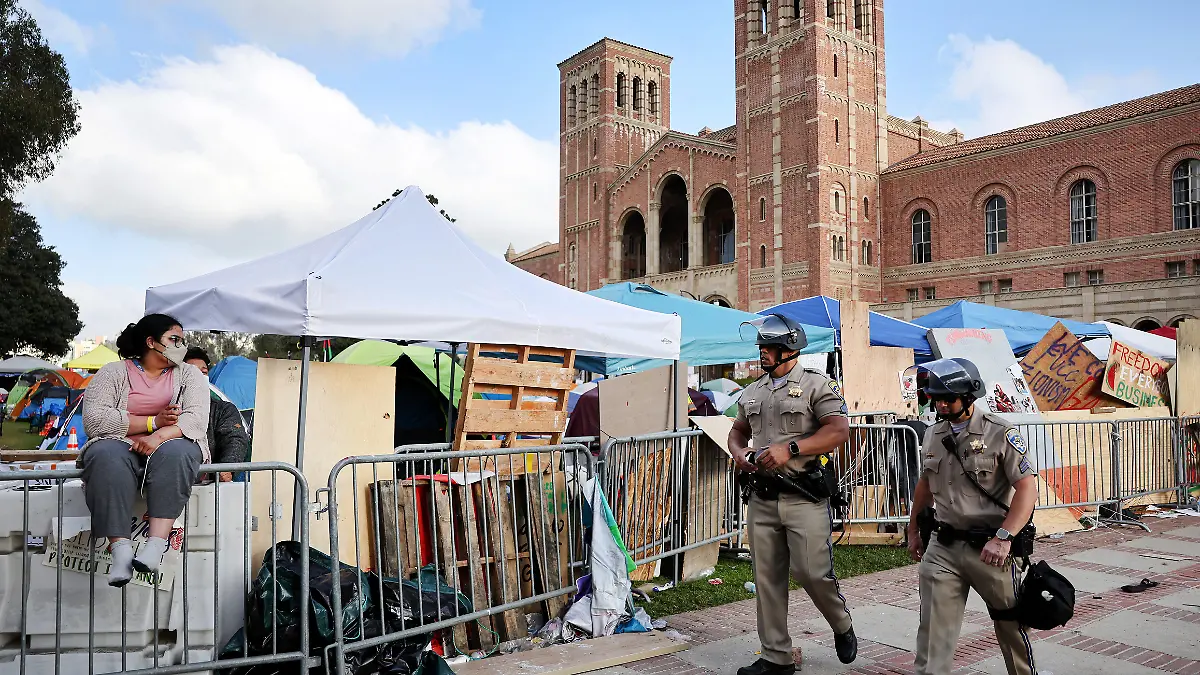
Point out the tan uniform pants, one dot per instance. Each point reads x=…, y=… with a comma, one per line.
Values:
x=947, y=574
x=792, y=532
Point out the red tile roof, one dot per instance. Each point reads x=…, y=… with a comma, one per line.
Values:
x=1084, y=120
x=545, y=248
x=726, y=135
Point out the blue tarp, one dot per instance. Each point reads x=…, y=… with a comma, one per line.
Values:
x=711, y=333
x=1023, y=329
x=235, y=376
x=885, y=331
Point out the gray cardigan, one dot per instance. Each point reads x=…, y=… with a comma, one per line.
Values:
x=106, y=405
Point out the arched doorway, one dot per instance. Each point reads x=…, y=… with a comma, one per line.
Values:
x=633, y=247
x=1147, y=324
x=1174, y=323
x=718, y=228
x=718, y=301
x=673, y=226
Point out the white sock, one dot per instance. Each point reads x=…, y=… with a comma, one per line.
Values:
x=150, y=556
x=122, y=563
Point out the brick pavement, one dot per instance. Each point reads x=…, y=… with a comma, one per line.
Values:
x=1158, y=639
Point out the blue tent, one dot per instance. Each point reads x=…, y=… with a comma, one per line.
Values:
x=885, y=331
x=1023, y=329
x=711, y=333
x=236, y=377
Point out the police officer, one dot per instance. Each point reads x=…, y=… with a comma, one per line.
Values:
x=794, y=416
x=973, y=535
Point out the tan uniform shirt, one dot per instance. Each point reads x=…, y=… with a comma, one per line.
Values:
x=995, y=454
x=791, y=411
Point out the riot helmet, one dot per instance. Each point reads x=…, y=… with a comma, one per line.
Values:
x=955, y=377
x=776, y=329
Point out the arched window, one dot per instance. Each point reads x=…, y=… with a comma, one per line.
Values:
x=995, y=225
x=1083, y=211
x=862, y=15
x=652, y=90
x=594, y=99
x=866, y=253
x=922, y=239
x=797, y=10
x=621, y=98
x=764, y=11
x=866, y=208
x=595, y=192
x=571, y=106
x=594, y=146
x=762, y=208
x=572, y=267
x=831, y=9
x=837, y=131
x=1185, y=194
x=835, y=65
x=582, y=103
x=762, y=256
x=638, y=95
x=837, y=201
x=841, y=248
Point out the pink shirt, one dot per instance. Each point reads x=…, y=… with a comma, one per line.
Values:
x=147, y=396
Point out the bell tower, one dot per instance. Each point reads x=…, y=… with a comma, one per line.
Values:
x=812, y=139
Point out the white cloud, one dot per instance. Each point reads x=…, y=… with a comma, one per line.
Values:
x=391, y=27
x=248, y=153
x=105, y=309
x=59, y=29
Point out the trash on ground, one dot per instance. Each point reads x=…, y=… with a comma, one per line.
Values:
x=750, y=587
x=715, y=582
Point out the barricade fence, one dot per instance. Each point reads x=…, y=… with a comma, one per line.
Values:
x=465, y=545
x=59, y=614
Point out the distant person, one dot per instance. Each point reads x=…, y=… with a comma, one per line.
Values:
x=227, y=437
x=146, y=417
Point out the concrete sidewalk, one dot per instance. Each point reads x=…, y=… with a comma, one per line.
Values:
x=1112, y=633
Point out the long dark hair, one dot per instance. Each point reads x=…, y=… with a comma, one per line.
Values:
x=131, y=343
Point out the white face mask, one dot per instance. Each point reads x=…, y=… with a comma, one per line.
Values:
x=175, y=355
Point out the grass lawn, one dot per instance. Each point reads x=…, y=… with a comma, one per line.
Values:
x=16, y=437
x=848, y=561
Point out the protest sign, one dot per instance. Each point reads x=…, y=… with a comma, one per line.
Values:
x=1063, y=374
x=1136, y=377
x=1007, y=391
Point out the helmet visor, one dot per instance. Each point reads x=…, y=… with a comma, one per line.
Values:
x=946, y=374
x=765, y=330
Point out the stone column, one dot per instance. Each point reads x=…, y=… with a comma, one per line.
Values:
x=695, y=240
x=652, y=235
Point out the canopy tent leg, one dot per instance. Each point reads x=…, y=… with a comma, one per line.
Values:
x=450, y=399
x=297, y=516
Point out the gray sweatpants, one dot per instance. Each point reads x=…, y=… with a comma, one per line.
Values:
x=113, y=475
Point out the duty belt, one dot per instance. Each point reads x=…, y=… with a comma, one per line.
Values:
x=976, y=537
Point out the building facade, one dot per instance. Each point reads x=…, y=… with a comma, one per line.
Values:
x=817, y=190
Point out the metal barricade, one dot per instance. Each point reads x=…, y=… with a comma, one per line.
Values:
x=878, y=469
x=670, y=493
x=1149, y=459
x=1188, y=457
x=460, y=542
x=58, y=613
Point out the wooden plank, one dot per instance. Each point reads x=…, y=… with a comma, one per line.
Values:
x=1187, y=368
x=853, y=537
x=871, y=375
x=546, y=549
x=482, y=421
x=583, y=656
x=396, y=529
x=444, y=521
x=9, y=455
x=491, y=371
x=476, y=555
x=507, y=405
x=503, y=543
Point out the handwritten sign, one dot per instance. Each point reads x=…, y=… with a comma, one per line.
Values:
x=1136, y=377
x=1005, y=390
x=1063, y=374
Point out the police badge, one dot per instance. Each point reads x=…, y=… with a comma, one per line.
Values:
x=1015, y=440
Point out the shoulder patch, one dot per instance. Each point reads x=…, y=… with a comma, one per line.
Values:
x=836, y=388
x=1015, y=440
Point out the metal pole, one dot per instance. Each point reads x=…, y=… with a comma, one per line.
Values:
x=301, y=419
x=450, y=398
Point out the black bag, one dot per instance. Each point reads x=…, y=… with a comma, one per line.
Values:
x=1046, y=599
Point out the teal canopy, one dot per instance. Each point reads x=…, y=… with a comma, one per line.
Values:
x=711, y=333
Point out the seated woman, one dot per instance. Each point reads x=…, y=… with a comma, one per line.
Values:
x=146, y=418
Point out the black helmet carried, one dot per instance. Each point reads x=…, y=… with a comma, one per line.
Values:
x=950, y=377
x=777, y=329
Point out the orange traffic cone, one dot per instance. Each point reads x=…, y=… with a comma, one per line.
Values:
x=72, y=440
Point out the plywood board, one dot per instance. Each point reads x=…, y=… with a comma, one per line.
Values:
x=990, y=351
x=716, y=428
x=583, y=656
x=1136, y=377
x=1063, y=374
x=1187, y=368
x=871, y=375
x=642, y=403
x=350, y=412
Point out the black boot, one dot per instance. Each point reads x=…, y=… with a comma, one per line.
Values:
x=765, y=667
x=847, y=645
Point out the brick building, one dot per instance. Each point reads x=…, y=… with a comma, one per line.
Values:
x=817, y=190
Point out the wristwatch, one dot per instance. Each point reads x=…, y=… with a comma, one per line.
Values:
x=794, y=449
x=1003, y=534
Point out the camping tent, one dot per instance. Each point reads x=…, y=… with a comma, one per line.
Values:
x=1149, y=343
x=21, y=364
x=93, y=360
x=885, y=331
x=1023, y=329
x=423, y=387
x=29, y=382
x=711, y=333
x=235, y=377
x=333, y=286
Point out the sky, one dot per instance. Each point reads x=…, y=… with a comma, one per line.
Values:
x=218, y=131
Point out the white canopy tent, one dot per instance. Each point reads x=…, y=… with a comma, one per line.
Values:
x=1148, y=343
x=403, y=272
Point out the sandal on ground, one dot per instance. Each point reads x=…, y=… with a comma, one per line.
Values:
x=1139, y=587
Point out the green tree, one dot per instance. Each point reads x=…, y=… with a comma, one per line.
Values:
x=291, y=347
x=38, y=110
x=35, y=312
x=429, y=197
x=221, y=345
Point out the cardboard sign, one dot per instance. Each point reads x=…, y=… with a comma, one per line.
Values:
x=990, y=351
x=1063, y=374
x=908, y=386
x=1136, y=377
